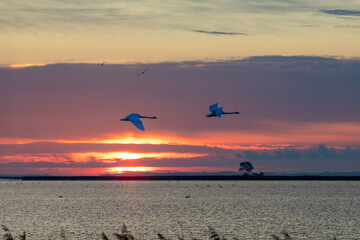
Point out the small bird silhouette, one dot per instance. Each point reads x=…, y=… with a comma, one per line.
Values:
x=215, y=111
x=134, y=118
x=142, y=73
x=101, y=64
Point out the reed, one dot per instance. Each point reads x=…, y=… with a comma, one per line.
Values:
x=7, y=234
x=125, y=234
x=285, y=234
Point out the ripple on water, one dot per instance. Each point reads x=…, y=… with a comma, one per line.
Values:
x=307, y=210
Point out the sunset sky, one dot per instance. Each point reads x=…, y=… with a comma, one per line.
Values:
x=291, y=68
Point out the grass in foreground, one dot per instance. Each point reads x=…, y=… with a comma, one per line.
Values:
x=125, y=234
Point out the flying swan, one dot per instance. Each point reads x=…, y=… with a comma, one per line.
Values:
x=134, y=118
x=143, y=72
x=215, y=111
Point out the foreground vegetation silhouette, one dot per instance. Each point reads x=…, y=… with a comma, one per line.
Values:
x=125, y=234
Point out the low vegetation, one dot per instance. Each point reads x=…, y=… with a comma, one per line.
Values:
x=125, y=234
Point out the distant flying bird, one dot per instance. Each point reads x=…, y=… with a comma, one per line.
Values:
x=215, y=111
x=101, y=64
x=142, y=73
x=134, y=118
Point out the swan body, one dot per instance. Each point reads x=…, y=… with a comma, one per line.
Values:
x=134, y=118
x=215, y=111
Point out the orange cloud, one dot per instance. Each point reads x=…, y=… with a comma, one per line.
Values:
x=110, y=156
x=23, y=65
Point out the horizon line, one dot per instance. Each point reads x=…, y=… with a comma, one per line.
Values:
x=179, y=61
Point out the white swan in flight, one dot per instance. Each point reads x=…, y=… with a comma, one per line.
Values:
x=134, y=118
x=215, y=111
x=143, y=72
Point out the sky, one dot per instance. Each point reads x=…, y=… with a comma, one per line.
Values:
x=291, y=68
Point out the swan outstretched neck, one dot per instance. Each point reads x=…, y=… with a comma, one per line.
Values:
x=134, y=118
x=230, y=112
x=147, y=117
x=215, y=111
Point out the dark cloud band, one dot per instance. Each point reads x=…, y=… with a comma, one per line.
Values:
x=317, y=153
x=64, y=148
x=342, y=12
x=219, y=33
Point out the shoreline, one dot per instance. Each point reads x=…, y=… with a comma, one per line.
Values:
x=189, y=178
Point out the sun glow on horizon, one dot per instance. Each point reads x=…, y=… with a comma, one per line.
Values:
x=127, y=155
x=132, y=169
x=111, y=156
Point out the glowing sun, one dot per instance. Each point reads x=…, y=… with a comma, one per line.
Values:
x=125, y=155
x=130, y=169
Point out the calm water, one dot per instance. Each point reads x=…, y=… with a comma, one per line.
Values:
x=247, y=210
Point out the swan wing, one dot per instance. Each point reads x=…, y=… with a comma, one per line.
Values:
x=137, y=122
x=213, y=107
x=219, y=112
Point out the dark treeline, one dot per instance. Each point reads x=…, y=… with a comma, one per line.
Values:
x=198, y=178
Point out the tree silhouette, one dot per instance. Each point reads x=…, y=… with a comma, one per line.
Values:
x=246, y=167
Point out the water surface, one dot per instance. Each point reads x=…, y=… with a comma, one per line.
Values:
x=243, y=209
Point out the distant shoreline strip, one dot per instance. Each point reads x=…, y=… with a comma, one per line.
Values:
x=191, y=178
